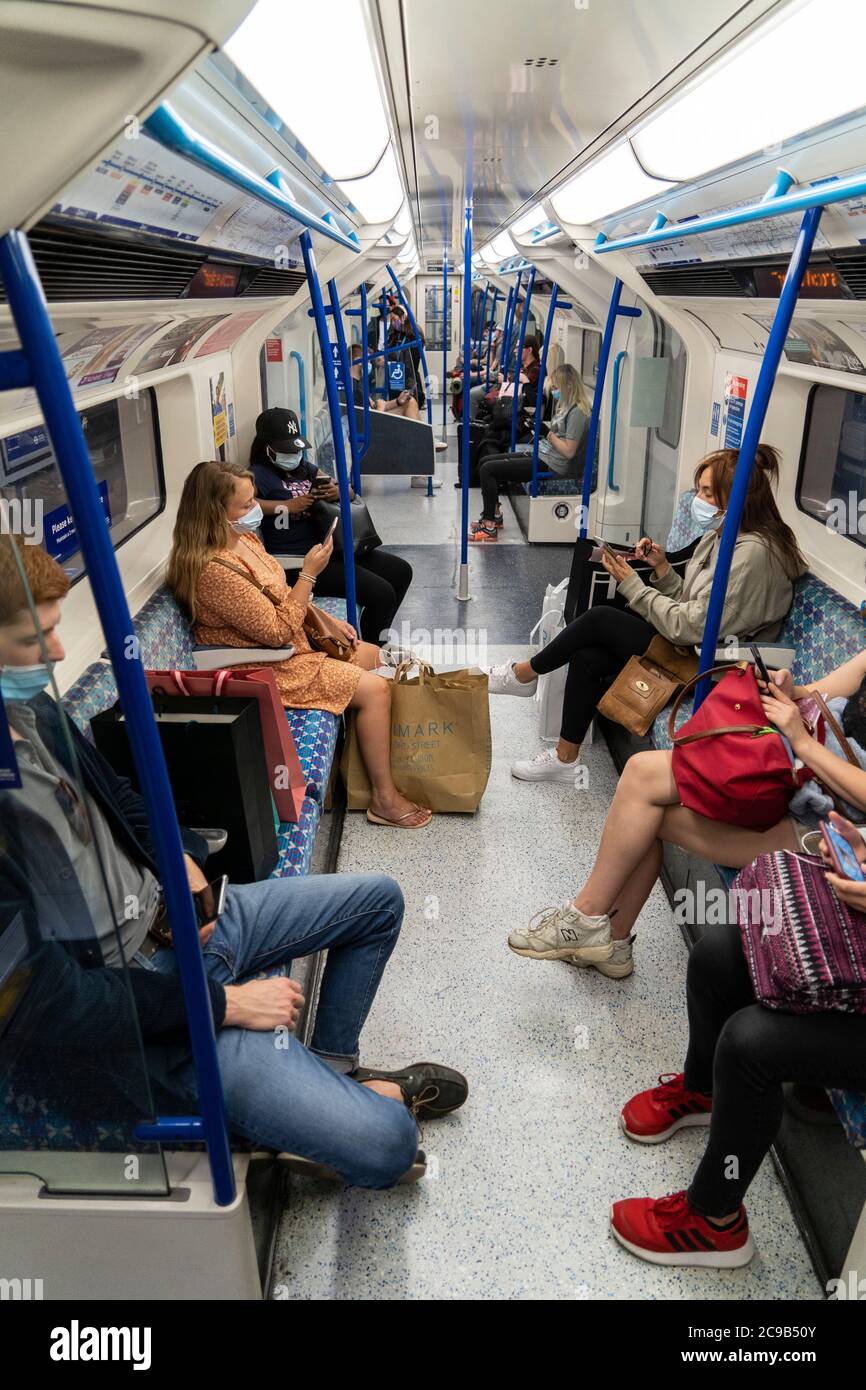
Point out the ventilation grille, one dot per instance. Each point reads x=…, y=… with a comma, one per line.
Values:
x=77, y=266
x=713, y=280
x=271, y=281
x=852, y=270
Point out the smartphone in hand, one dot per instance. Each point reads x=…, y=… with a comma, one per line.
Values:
x=760, y=664
x=843, y=857
x=210, y=901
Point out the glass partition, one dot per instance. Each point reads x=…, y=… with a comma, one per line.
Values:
x=77, y=901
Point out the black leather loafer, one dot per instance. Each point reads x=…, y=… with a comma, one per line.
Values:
x=429, y=1088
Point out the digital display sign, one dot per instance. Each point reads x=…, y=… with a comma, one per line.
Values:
x=214, y=281
x=819, y=282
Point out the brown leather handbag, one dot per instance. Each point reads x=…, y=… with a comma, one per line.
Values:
x=646, y=684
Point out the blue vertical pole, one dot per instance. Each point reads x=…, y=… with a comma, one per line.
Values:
x=520, y=341
x=595, y=416
x=347, y=384
x=751, y=438
x=463, y=588
x=444, y=344
x=496, y=296
x=365, y=372
x=509, y=324
x=539, y=399
x=39, y=347
x=321, y=321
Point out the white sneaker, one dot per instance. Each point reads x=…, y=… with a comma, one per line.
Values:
x=563, y=933
x=421, y=479
x=621, y=962
x=501, y=680
x=440, y=445
x=545, y=767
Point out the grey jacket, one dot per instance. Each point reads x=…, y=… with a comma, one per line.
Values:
x=758, y=599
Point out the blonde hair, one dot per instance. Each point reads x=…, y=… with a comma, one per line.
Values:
x=555, y=359
x=571, y=389
x=201, y=527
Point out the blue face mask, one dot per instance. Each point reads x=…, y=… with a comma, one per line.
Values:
x=24, y=682
x=556, y=393
x=289, y=462
x=704, y=514
x=251, y=522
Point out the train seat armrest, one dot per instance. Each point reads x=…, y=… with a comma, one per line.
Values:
x=216, y=658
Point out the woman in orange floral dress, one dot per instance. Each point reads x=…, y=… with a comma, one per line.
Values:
x=237, y=595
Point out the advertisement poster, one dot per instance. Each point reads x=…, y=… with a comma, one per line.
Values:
x=175, y=345
x=736, y=391
x=61, y=537
x=24, y=453
x=219, y=414
x=228, y=332
x=98, y=356
x=810, y=341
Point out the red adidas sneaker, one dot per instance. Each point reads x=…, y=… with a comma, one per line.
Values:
x=666, y=1231
x=653, y=1116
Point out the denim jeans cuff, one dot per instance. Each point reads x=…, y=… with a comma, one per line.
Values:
x=337, y=1062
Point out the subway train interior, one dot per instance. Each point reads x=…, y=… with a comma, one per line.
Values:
x=361, y=365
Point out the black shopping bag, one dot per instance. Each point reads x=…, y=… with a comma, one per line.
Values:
x=216, y=763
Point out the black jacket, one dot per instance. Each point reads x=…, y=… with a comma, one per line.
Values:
x=72, y=998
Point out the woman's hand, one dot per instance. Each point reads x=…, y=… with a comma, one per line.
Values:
x=298, y=504
x=317, y=559
x=783, y=713
x=849, y=890
x=615, y=565
x=784, y=681
x=649, y=550
x=344, y=631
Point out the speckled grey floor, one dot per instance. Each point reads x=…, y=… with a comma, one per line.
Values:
x=516, y=1202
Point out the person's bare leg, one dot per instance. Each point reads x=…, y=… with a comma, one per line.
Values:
x=367, y=655
x=730, y=845
x=565, y=751
x=385, y=1088
x=372, y=700
x=631, y=901
x=410, y=409
x=645, y=789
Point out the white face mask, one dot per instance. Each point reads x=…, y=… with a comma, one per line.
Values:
x=250, y=521
x=287, y=461
x=704, y=514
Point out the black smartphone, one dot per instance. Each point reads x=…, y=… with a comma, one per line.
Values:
x=210, y=900
x=760, y=664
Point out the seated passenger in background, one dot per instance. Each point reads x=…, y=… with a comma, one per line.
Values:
x=739, y=1057
x=286, y=487
x=315, y=1102
x=595, y=646
x=403, y=404
x=236, y=595
x=646, y=812
x=556, y=451
x=479, y=391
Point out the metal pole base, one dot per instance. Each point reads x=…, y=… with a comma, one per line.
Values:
x=463, y=594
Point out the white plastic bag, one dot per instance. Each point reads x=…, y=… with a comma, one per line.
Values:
x=551, y=688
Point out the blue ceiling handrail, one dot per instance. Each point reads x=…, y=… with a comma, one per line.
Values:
x=772, y=205
x=167, y=127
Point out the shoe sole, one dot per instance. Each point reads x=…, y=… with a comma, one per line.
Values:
x=613, y=972
x=685, y=1122
x=720, y=1259
x=524, y=693
x=555, y=781
x=589, y=955
x=305, y=1167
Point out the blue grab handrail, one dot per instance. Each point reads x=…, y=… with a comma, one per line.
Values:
x=167, y=127
x=332, y=392
x=467, y=380
x=509, y=327
x=365, y=378
x=46, y=374
x=517, y=361
x=815, y=195
x=751, y=438
x=298, y=357
x=555, y=303
x=614, y=403
x=497, y=295
x=444, y=342
x=345, y=369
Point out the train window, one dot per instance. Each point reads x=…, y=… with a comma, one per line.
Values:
x=671, y=346
x=122, y=437
x=589, y=356
x=832, y=481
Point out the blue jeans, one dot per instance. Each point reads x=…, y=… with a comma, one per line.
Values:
x=278, y=1093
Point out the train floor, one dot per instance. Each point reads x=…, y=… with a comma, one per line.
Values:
x=520, y=1181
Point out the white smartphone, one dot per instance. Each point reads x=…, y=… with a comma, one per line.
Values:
x=331, y=529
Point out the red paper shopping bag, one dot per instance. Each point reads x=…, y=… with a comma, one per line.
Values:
x=288, y=784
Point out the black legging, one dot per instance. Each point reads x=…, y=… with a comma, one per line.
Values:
x=381, y=581
x=501, y=468
x=741, y=1053
x=596, y=646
